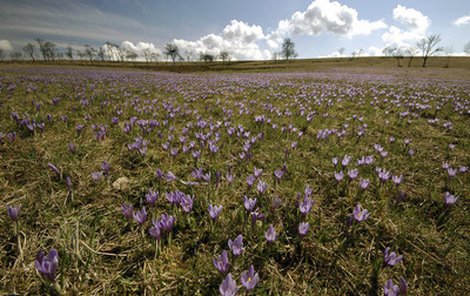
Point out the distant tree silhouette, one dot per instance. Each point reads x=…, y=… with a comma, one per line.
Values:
x=225, y=56
x=207, y=58
x=411, y=52
x=428, y=47
x=172, y=51
x=395, y=52
x=69, y=53
x=288, y=49
x=29, y=50
x=466, y=48
x=48, y=49
x=90, y=52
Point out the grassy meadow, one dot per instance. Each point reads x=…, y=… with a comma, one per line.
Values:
x=307, y=171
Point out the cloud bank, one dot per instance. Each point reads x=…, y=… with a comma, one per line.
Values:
x=5, y=45
x=238, y=38
x=414, y=26
x=461, y=21
x=324, y=16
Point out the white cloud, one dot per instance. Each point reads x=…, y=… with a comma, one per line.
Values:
x=238, y=38
x=6, y=45
x=325, y=16
x=461, y=21
x=415, y=26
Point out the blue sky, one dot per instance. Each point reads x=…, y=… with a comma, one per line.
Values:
x=247, y=29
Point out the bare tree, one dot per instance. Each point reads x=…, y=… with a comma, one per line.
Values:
x=448, y=51
x=101, y=54
x=275, y=56
x=147, y=52
x=466, y=48
x=90, y=52
x=69, y=53
x=154, y=56
x=29, y=50
x=51, y=50
x=131, y=55
x=172, y=50
x=225, y=56
x=42, y=48
x=357, y=53
x=411, y=52
x=428, y=47
x=207, y=58
x=48, y=49
x=395, y=52
x=288, y=49
x=81, y=55
x=189, y=55
x=341, y=50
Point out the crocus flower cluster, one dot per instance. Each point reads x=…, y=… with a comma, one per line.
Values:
x=47, y=264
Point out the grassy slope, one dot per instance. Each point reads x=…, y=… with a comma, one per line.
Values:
x=101, y=253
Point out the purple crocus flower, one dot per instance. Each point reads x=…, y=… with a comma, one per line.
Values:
x=278, y=174
x=303, y=228
x=383, y=174
x=105, y=167
x=334, y=160
x=397, y=179
x=236, y=246
x=54, y=169
x=96, y=176
x=364, y=183
x=186, y=202
x=250, y=180
x=140, y=216
x=306, y=205
x=166, y=222
x=359, y=213
x=214, y=211
x=449, y=199
x=270, y=234
x=68, y=183
x=127, y=210
x=261, y=186
x=13, y=212
x=221, y=262
x=403, y=287
x=47, y=265
x=391, y=259
x=451, y=172
x=229, y=177
x=249, y=278
x=170, y=177
x=151, y=197
x=155, y=230
x=249, y=203
x=228, y=286
x=353, y=174
x=257, y=172
x=346, y=160
x=390, y=289
x=339, y=176
x=158, y=174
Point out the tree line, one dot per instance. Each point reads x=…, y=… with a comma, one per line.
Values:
x=48, y=51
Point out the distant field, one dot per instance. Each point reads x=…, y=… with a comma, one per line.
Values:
x=308, y=171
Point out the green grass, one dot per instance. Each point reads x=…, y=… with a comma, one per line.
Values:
x=100, y=252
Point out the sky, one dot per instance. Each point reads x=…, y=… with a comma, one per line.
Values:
x=247, y=29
